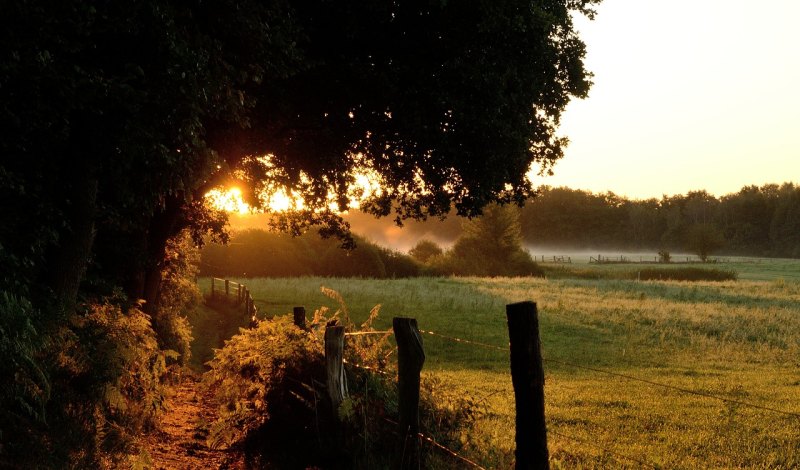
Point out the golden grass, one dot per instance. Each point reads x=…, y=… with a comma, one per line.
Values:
x=737, y=340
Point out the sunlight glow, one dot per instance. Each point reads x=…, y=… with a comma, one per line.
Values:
x=366, y=185
x=229, y=200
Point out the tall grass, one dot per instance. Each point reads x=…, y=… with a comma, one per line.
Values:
x=733, y=339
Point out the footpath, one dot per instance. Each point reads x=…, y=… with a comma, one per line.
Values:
x=179, y=442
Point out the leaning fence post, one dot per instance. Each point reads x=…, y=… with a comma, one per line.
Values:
x=410, y=357
x=527, y=376
x=334, y=364
x=300, y=317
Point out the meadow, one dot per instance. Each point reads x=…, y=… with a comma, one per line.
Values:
x=738, y=340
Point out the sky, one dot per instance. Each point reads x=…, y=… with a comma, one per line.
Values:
x=687, y=95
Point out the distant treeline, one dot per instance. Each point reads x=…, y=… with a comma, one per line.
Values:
x=488, y=246
x=756, y=221
x=763, y=221
x=258, y=253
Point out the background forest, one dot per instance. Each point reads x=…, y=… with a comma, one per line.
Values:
x=755, y=221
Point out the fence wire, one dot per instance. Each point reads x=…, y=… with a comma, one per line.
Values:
x=625, y=376
x=361, y=366
x=447, y=450
x=465, y=341
x=361, y=333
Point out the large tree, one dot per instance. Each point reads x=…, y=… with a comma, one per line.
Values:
x=117, y=118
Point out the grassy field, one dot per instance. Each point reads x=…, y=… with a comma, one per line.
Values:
x=751, y=269
x=739, y=340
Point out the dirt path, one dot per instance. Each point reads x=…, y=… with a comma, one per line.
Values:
x=180, y=441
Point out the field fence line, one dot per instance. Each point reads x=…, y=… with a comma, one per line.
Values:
x=582, y=367
x=361, y=333
x=464, y=341
x=466, y=460
x=428, y=439
x=369, y=368
x=433, y=442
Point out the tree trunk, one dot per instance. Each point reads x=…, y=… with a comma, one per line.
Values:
x=163, y=226
x=67, y=264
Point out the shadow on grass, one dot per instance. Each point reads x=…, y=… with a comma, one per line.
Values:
x=212, y=323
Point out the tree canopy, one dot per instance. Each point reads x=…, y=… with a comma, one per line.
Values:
x=118, y=117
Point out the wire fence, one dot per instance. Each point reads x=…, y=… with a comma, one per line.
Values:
x=624, y=376
x=616, y=454
x=558, y=432
x=438, y=446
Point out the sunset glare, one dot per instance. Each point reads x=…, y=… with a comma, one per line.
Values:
x=229, y=200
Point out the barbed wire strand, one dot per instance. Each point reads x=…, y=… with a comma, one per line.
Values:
x=629, y=377
x=466, y=341
x=449, y=451
x=360, y=366
x=361, y=333
x=602, y=449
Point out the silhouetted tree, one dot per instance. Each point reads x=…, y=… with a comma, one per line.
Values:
x=424, y=250
x=703, y=239
x=118, y=117
x=490, y=245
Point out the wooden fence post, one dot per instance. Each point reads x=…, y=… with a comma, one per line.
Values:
x=239, y=295
x=227, y=288
x=410, y=358
x=527, y=376
x=212, y=287
x=300, y=317
x=334, y=365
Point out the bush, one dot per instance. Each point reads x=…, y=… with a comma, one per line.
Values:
x=25, y=388
x=179, y=297
x=257, y=253
x=490, y=245
x=79, y=396
x=270, y=383
x=107, y=385
x=424, y=250
x=264, y=379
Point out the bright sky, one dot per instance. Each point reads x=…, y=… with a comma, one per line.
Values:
x=688, y=94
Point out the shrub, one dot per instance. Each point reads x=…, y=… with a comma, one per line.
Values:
x=490, y=245
x=424, y=250
x=703, y=239
x=25, y=388
x=270, y=382
x=103, y=371
x=179, y=297
x=78, y=395
x=264, y=380
x=107, y=386
x=260, y=253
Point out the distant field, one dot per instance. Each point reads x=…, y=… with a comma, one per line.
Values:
x=739, y=340
x=753, y=269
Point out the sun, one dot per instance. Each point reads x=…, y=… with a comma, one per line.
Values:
x=228, y=200
x=278, y=199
